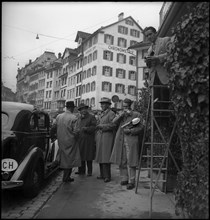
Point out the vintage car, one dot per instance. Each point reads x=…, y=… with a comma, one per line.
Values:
x=28, y=153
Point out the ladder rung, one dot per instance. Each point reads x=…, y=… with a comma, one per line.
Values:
x=145, y=181
x=155, y=143
x=153, y=156
x=163, y=110
x=148, y=168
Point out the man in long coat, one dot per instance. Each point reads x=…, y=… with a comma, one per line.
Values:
x=66, y=135
x=86, y=125
x=158, y=74
x=104, y=139
x=126, y=146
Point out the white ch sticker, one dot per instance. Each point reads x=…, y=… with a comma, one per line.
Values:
x=8, y=164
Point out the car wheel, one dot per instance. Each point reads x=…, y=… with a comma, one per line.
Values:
x=33, y=182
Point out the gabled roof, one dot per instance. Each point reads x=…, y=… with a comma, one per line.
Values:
x=71, y=51
x=123, y=20
x=81, y=34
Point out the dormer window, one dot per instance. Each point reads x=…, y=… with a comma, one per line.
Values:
x=79, y=41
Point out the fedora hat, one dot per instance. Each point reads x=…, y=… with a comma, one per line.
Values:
x=127, y=101
x=81, y=106
x=105, y=100
x=70, y=104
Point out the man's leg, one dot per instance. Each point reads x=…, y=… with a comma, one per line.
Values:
x=101, y=171
x=67, y=174
x=107, y=172
x=90, y=167
x=123, y=167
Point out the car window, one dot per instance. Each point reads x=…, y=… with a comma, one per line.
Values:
x=41, y=121
x=4, y=119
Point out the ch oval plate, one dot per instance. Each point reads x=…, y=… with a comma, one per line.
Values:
x=8, y=164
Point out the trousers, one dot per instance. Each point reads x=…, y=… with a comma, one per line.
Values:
x=105, y=170
x=127, y=173
x=82, y=168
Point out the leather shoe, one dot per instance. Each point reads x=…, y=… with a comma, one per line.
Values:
x=106, y=180
x=100, y=177
x=123, y=183
x=130, y=186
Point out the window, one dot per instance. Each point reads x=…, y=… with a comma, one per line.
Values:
x=132, y=61
x=132, y=75
x=87, y=102
x=109, y=39
x=120, y=73
x=121, y=58
x=89, y=73
x=122, y=42
x=89, y=58
x=120, y=88
x=108, y=55
x=122, y=29
x=107, y=71
x=92, y=101
x=88, y=87
x=129, y=22
x=134, y=33
x=106, y=86
x=50, y=93
x=94, y=70
x=93, y=86
x=83, y=89
x=46, y=94
x=133, y=42
x=132, y=90
x=95, y=55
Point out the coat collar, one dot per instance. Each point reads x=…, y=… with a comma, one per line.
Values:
x=105, y=112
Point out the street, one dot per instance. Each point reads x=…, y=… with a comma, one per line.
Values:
x=88, y=197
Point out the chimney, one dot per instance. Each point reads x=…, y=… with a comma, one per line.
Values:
x=120, y=16
x=30, y=61
x=59, y=55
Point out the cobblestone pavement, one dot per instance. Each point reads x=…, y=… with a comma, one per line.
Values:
x=14, y=206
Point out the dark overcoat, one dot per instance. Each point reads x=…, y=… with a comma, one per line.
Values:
x=69, y=155
x=132, y=139
x=86, y=138
x=105, y=137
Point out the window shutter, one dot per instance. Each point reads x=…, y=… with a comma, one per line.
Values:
x=123, y=88
x=124, y=58
x=104, y=38
x=102, y=86
x=124, y=74
x=118, y=57
x=104, y=55
x=115, y=87
x=112, y=40
x=118, y=29
x=110, y=71
x=126, y=31
x=125, y=43
x=110, y=87
x=111, y=56
x=103, y=71
x=118, y=42
x=138, y=34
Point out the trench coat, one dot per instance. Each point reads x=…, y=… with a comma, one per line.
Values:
x=86, y=139
x=105, y=137
x=69, y=155
x=161, y=47
x=132, y=139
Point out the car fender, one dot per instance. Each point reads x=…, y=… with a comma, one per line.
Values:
x=31, y=158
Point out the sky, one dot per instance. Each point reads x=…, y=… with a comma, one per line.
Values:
x=56, y=24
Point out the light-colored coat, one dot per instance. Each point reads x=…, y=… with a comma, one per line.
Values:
x=132, y=140
x=69, y=151
x=162, y=46
x=105, y=137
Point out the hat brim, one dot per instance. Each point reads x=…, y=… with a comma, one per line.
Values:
x=106, y=102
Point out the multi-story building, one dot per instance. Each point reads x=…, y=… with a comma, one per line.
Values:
x=29, y=84
x=104, y=66
x=7, y=94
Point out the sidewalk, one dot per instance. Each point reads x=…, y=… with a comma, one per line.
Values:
x=88, y=197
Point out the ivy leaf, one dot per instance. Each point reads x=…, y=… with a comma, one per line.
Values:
x=201, y=98
x=189, y=102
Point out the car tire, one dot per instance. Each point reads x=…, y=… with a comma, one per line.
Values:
x=33, y=181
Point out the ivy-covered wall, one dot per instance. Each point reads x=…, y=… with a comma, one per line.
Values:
x=188, y=64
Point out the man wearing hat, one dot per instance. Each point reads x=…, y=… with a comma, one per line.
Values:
x=126, y=146
x=85, y=125
x=104, y=139
x=66, y=135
